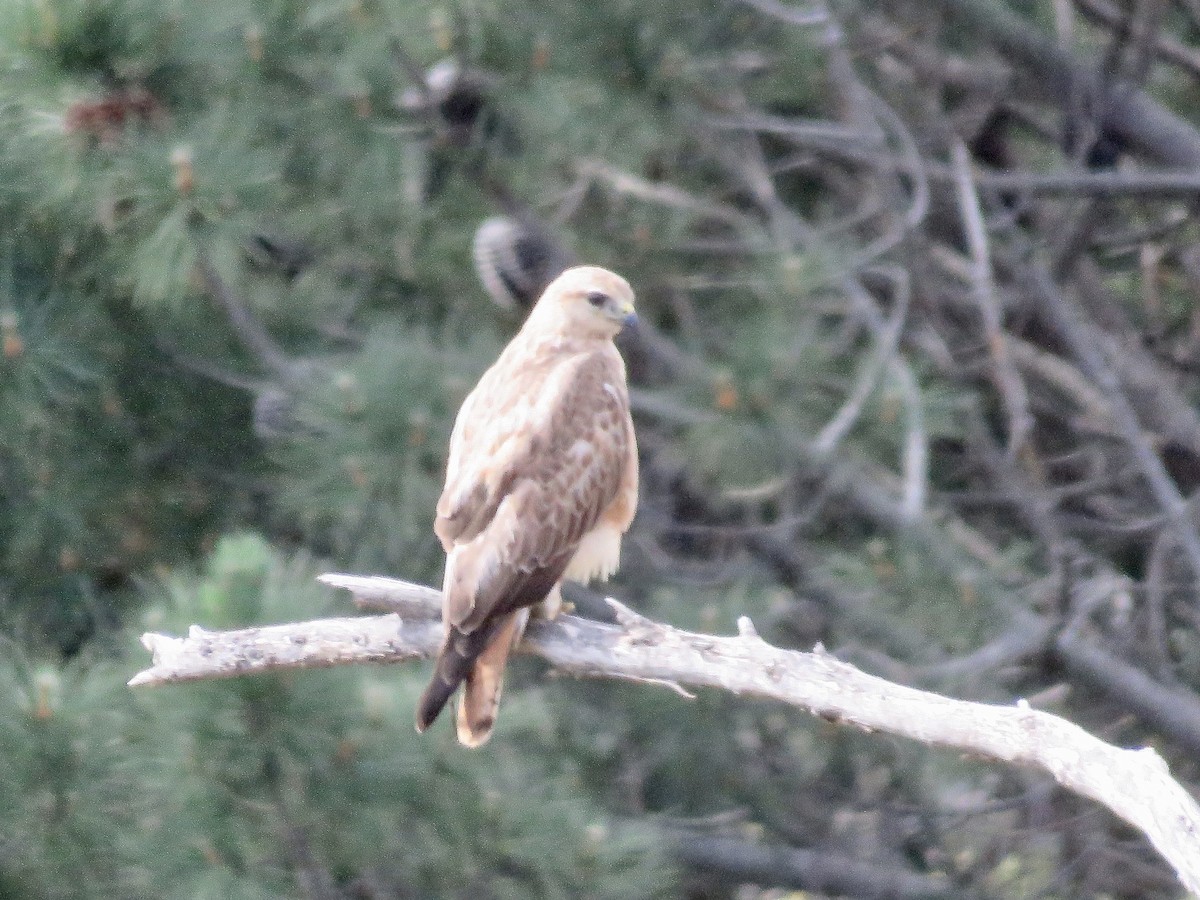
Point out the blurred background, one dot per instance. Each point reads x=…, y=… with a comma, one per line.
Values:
x=917, y=380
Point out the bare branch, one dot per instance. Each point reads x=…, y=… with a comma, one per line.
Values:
x=249, y=330
x=820, y=871
x=1075, y=331
x=318, y=644
x=1166, y=47
x=1144, y=185
x=886, y=339
x=1172, y=712
x=799, y=16
x=1005, y=375
x=1133, y=784
x=1131, y=116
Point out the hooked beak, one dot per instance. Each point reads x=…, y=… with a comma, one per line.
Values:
x=629, y=319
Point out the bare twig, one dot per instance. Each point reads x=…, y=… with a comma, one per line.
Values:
x=1068, y=322
x=663, y=194
x=1133, y=784
x=820, y=871
x=1155, y=392
x=886, y=339
x=1004, y=372
x=792, y=15
x=915, y=457
x=412, y=69
x=1147, y=185
x=1166, y=47
x=815, y=132
x=1159, y=659
x=249, y=330
x=1062, y=376
x=1132, y=117
x=910, y=162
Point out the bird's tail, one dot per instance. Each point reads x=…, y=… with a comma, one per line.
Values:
x=455, y=664
x=480, y=700
x=454, y=661
x=477, y=657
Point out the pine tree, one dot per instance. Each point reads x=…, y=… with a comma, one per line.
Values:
x=237, y=315
x=260, y=787
x=236, y=292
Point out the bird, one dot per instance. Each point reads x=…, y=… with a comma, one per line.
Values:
x=456, y=96
x=517, y=255
x=516, y=260
x=541, y=485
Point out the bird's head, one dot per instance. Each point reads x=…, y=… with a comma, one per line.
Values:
x=587, y=301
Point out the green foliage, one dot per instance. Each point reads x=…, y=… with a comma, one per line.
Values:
x=89, y=429
x=208, y=206
x=239, y=788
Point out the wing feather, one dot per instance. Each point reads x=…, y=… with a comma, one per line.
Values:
x=544, y=456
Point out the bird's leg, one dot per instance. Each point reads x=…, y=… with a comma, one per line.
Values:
x=550, y=608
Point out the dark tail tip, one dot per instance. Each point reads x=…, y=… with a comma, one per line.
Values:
x=434, y=699
x=454, y=662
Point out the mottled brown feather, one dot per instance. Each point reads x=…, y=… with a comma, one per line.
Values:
x=553, y=496
x=542, y=453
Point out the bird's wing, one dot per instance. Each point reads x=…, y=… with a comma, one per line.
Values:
x=540, y=451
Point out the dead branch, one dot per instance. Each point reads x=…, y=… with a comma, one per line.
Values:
x=1076, y=332
x=318, y=644
x=1145, y=185
x=249, y=330
x=1134, y=784
x=1166, y=47
x=1004, y=371
x=1141, y=125
x=886, y=340
x=738, y=861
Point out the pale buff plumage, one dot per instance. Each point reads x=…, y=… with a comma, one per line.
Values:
x=541, y=484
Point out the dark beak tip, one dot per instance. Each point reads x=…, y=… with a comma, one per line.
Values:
x=630, y=320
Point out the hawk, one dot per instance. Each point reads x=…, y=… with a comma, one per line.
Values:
x=541, y=484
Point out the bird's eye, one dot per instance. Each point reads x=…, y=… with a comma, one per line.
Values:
x=597, y=298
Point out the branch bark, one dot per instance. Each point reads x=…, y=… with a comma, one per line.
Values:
x=1134, y=784
x=738, y=861
x=1140, y=124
